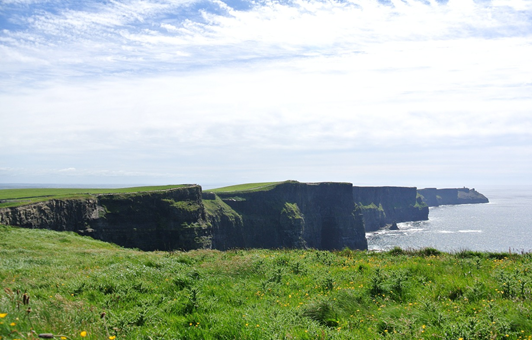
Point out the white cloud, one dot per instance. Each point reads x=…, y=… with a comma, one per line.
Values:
x=140, y=85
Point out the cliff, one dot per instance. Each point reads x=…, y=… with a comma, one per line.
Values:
x=273, y=215
x=384, y=206
x=290, y=215
x=297, y=215
x=435, y=197
x=156, y=220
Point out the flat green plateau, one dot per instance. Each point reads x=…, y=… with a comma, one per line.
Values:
x=256, y=294
x=17, y=197
x=246, y=187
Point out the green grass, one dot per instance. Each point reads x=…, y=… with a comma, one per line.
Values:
x=256, y=294
x=17, y=197
x=370, y=206
x=246, y=187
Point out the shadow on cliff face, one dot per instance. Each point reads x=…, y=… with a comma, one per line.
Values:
x=295, y=215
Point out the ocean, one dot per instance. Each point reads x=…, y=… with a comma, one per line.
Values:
x=503, y=225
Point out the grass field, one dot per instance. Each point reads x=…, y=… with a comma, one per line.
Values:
x=77, y=288
x=16, y=197
x=247, y=187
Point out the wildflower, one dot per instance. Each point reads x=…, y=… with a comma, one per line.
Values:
x=83, y=334
x=63, y=338
x=113, y=337
x=3, y=315
x=12, y=324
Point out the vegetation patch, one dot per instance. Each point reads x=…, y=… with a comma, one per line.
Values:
x=371, y=206
x=217, y=207
x=249, y=187
x=66, y=285
x=18, y=197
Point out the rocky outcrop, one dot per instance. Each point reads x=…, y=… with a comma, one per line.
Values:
x=60, y=215
x=227, y=225
x=434, y=197
x=157, y=220
x=296, y=215
x=383, y=206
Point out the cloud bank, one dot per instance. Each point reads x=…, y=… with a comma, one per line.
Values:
x=398, y=92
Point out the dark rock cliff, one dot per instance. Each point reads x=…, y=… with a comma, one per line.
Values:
x=291, y=215
x=60, y=215
x=156, y=220
x=287, y=215
x=162, y=220
x=227, y=225
x=434, y=197
x=384, y=206
x=296, y=215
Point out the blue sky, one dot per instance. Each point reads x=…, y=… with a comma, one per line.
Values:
x=421, y=93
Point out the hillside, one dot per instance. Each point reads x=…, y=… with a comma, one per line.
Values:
x=258, y=294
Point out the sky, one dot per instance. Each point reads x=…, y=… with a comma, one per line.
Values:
x=422, y=93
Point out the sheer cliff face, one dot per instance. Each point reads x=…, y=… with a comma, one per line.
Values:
x=292, y=215
x=435, y=197
x=158, y=220
x=163, y=220
x=295, y=215
x=61, y=215
x=382, y=206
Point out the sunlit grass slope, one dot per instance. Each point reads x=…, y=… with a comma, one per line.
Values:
x=247, y=187
x=70, y=281
x=15, y=197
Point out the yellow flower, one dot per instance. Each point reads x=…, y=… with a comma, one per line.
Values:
x=63, y=338
x=12, y=324
x=83, y=334
x=112, y=337
x=3, y=315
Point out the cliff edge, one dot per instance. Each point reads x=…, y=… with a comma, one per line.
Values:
x=153, y=220
x=434, y=197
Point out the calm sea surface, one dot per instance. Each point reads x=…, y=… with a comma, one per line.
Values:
x=503, y=224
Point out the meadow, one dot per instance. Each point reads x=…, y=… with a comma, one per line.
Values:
x=71, y=287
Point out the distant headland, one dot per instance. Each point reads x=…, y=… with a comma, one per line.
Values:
x=289, y=214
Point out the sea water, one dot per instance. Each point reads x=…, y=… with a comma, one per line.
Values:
x=503, y=225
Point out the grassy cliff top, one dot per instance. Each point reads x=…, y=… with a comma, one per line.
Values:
x=247, y=187
x=17, y=197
